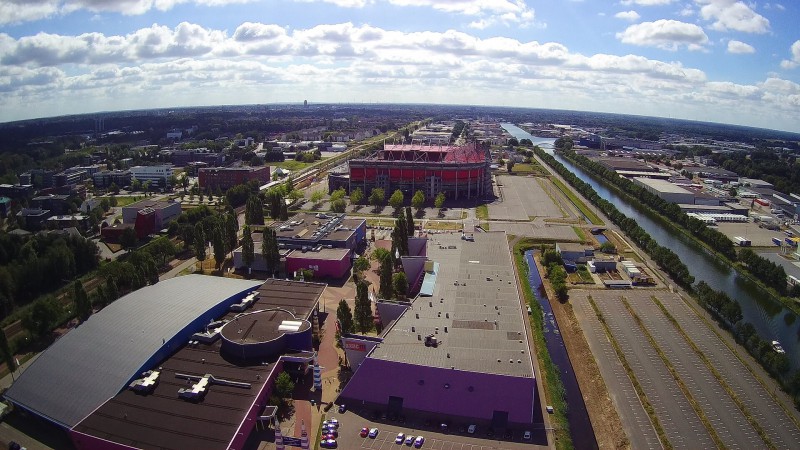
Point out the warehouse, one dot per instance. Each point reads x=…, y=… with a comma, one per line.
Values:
x=168, y=367
x=459, y=171
x=666, y=190
x=449, y=352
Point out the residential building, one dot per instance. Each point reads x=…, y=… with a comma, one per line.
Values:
x=225, y=178
x=57, y=204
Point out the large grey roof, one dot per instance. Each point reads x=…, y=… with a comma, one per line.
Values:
x=93, y=362
x=476, y=300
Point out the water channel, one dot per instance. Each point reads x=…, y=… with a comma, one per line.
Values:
x=770, y=318
x=578, y=418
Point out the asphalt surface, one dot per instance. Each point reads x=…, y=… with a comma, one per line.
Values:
x=635, y=421
x=680, y=422
x=522, y=198
x=722, y=413
x=780, y=430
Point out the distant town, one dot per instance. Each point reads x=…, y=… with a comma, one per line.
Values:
x=365, y=276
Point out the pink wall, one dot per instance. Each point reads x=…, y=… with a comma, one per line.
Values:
x=83, y=441
x=262, y=399
x=324, y=267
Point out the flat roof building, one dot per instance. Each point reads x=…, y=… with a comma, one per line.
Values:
x=225, y=178
x=666, y=190
x=449, y=353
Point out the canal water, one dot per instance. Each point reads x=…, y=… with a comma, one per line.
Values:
x=579, y=424
x=770, y=318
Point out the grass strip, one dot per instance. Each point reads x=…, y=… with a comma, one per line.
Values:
x=551, y=379
x=581, y=234
x=593, y=218
x=695, y=406
x=648, y=407
x=761, y=432
x=482, y=212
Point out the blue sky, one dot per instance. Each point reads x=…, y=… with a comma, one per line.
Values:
x=726, y=61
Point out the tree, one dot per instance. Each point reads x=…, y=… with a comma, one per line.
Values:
x=363, y=309
x=396, y=200
x=338, y=194
x=409, y=223
x=218, y=243
x=111, y=291
x=418, y=200
x=129, y=239
x=400, y=284
x=608, y=247
x=338, y=206
x=199, y=242
x=231, y=231
x=377, y=197
x=317, y=197
x=385, y=290
x=361, y=264
x=254, y=211
x=380, y=255
x=269, y=249
x=284, y=212
x=345, y=317
x=513, y=142
x=438, y=202
x=510, y=165
x=356, y=197
x=42, y=317
x=8, y=356
x=83, y=307
x=284, y=386
x=248, y=248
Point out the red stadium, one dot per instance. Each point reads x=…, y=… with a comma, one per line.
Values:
x=460, y=171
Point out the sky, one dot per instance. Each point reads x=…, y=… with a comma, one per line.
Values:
x=726, y=61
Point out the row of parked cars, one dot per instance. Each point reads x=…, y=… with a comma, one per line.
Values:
x=330, y=432
x=401, y=438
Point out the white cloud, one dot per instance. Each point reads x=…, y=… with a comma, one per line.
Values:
x=739, y=47
x=631, y=15
x=776, y=6
x=157, y=66
x=795, y=61
x=665, y=34
x=732, y=15
x=646, y=2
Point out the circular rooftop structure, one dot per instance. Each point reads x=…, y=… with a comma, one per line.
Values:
x=265, y=333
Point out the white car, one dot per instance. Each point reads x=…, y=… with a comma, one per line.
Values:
x=471, y=429
x=400, y=438
x=526, y=436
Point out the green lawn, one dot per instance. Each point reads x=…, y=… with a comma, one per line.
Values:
x=482, y=212
x=522, y=168
x=126, y=200
x=290, y=164
x=577, y=202
x=437, y=225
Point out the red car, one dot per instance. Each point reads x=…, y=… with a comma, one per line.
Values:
x=364, y=432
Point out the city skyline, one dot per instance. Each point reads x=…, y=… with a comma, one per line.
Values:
x=712, y=60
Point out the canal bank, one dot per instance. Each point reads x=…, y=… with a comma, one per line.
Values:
x=770, y=318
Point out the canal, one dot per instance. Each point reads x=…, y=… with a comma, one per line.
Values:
x=578, y=418
x=770, y=318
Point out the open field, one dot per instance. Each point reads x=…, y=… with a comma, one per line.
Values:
x=521, y=198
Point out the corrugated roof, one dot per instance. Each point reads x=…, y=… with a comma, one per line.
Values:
x=91, y=363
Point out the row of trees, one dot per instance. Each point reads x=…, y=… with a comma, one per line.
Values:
x=765, y=270
x=556, y=273
x=664, y=257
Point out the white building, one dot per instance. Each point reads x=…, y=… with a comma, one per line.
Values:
x=156, y=175
x=666, y=190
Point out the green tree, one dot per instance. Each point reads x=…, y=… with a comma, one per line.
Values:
x=8, y=356
x=269, y=249
x=338, y=194
x=356, y=197
x=199, y=242
x=380, y=255
x=410, y=226
x=284, y=212
x=248, y=248
x=418, y=200
x=400, y=284
x=254, y=211
x=83, y=307
x=385, y=288
x=284, y=386
x=396, y=200
x=112, y=200
x=438, y=202
x=317, y=197
x=218, y=243
x=42, y=317
x=363, y=309
x=361, y=264
x=377, y=197
x=345, y=317
x=128, y=240
x=510, y=165
x=231, y=231
x=338, y=205
x=111, y=290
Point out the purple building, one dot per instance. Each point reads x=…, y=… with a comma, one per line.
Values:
x=460, y=352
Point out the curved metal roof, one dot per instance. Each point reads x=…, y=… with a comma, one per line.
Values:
x=93, y=362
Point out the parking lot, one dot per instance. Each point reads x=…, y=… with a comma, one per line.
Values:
x=350, y=424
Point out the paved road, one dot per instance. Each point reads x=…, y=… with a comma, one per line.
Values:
x=781, y=430
x=681, y=424
x=626, y=401
x=722, y=413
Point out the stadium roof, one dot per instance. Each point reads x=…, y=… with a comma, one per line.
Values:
x=91, y=363
x=476, y=300
x=470, y=153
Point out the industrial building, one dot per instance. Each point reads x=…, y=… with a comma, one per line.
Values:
x=225, y=178
x=460, y=351
x=187, y=363
x=460, y=171
x=664, y=189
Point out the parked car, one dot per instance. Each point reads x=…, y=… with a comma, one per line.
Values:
x=419, y=441
x=331, y=431
x=409, y=440
x=328, y=443
x=526, y=436
x=400, y=438
x=373, y=433
x=328, y=436
x=342, y=409
x=471, y=429
x=364, y=432
x=333, y=421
